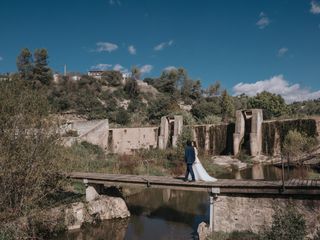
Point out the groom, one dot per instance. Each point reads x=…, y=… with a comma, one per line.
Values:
x=189, y=158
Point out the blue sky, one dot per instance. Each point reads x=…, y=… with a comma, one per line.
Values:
x=248, y=45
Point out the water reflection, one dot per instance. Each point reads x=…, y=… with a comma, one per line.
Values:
x=268, y=172
x=156, y=214
x=107, y=230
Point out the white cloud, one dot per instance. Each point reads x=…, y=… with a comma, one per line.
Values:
x=146, y=68
x=132, y=50
x=277, y=85
x=106, y=47
x=101, y=66
x=169, y=68
x=115, y=2
x=163, y=45
x=315, y=7
x=263, y=21
x=119, y=67
x=282, y=51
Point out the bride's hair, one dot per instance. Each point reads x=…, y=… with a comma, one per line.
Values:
x=194, y=144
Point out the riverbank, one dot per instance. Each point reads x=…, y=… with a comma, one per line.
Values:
x=77, y=212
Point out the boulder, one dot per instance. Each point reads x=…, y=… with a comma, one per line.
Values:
x=91, y=194
x=96, y=210
x=203, y=231
x=75, y=215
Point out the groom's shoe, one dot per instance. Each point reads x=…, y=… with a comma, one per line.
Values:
x=193, y=180
x=185, y=180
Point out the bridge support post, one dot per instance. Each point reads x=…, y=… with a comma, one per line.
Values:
x=213, y=195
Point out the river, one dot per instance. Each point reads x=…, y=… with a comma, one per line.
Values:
x=168, y=214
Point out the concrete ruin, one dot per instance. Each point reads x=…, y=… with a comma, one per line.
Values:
x=248, y=132
x=170, y=129
x=124, y=140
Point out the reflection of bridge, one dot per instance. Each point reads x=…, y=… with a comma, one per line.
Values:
x=227, y=187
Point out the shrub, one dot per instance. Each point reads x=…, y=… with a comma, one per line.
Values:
x=297, y=143
x=29, y=148
x=287, y=223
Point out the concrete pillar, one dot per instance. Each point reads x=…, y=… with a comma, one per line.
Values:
x=239, y=131
x=164, y=133
x=207, y=140
x=256, y=132
x=213, y=195
x=178, y=125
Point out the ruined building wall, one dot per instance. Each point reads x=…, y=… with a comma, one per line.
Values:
x=128, y=140
x=274, y=132
x=214, y=139
x=95, y=132
x=249, y=131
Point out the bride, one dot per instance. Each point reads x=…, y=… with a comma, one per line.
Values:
x=200, y=173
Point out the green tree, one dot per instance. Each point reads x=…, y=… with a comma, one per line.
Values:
x=213, y=89
x=296, y=144
x=273, y=105
x=131, y=88
x=41, y=71
x=122, y=117
x=170, y=81
x=206, y=107
x=227, y=106
x=160, y=107
x=112, y=78
x=241, y=102
x=25, y=64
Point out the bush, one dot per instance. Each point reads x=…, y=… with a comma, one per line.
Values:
x=296, y=144
x=212, y=119
x=287, y=223
x=29, y=148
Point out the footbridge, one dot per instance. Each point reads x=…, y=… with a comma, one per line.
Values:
x=293, y=188
x=221, y=186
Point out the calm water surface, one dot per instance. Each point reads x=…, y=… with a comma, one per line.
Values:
x=156, y=214
x=168, y=214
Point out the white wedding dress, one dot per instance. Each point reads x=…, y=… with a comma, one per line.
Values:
x=200, y=174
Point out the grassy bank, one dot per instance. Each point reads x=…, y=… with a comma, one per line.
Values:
x=90, y=158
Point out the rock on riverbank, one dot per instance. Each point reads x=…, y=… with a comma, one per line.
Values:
x=72, y=216
x=103, y=208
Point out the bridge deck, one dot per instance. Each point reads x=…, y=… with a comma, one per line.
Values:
x=227, y=186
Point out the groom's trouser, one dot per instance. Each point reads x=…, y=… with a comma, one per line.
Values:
x=189, y=170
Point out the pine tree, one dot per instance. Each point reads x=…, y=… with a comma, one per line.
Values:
x=25, y=64
x=41, y=71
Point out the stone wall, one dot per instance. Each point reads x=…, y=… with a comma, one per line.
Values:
x=95, y=132
x=253, y=214
x=128, y=140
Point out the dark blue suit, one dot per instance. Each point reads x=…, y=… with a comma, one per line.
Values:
x=189, y=158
